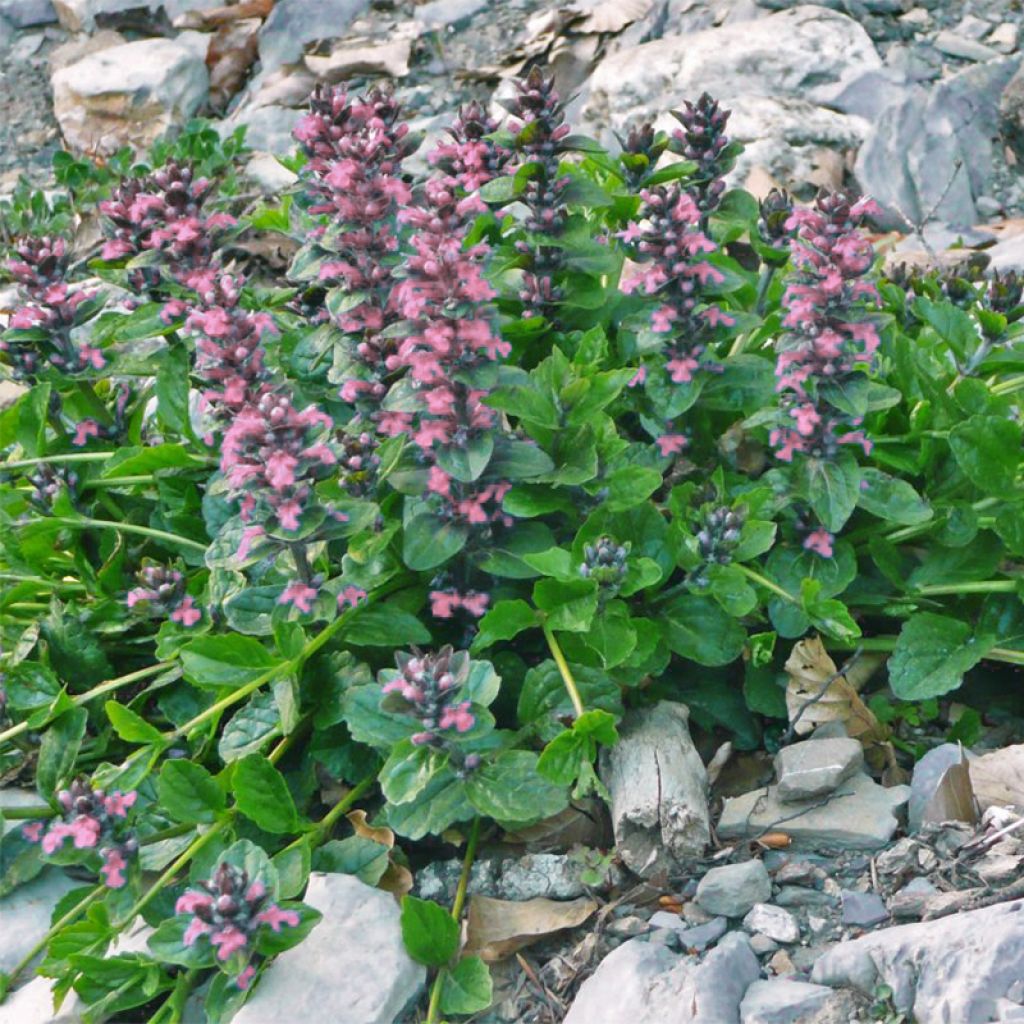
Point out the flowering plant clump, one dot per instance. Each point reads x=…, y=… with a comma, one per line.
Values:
x=318, y=569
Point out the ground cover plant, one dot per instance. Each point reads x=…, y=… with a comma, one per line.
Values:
x=549, y=434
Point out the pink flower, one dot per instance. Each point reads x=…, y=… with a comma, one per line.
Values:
x=33, y=831
x=228, y=940
x=193, y=931
x=245, y=977
x=300, y=595
x=274, y=916
x=458, y=717
x=681, y=369
x=475, y=603
x=288, y=513
x=820, y=542
x=186, y=613
x=191, y=901
x=85, y=429
x=93, y=356
x=249, y=534
x=671, y=444
x=638, y=378
x=351, y=596
x=443, y=604
x=280, y=471
x=118, y=804
x=113, y=869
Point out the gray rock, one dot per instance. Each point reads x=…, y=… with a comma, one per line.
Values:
x=648, y=984
x=552, y=876
x=130, y=94
x=628, y=927
x=733, y=889
x=1016, y=991
x=797, y=53
x=954, y=45
x=26, y=13
x=928, y=772
x=859, y=815
x=25, y=913
x=268, y=174
x=951, y=969
x=863, y=909
x=1004, y=37
x=866, y=96
x=441, y=13
x=1008, y=254
x=294, y=23
x=931, y=153
x=762, y=945
x=360, y=940
x=81, y=15
x=698, y=937
x=658, y=788
x=798, y=896
x=782, y=1002
x=912, y=900
x=775, y=922
x=816, y=767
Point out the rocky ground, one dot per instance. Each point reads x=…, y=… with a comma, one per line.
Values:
x=826, y=896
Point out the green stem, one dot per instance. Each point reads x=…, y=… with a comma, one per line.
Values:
x=96, y=691
x=434, y=1009
x=768, y=584
x=47, y=459
x=564, y=671
x=21, y=813
x=142, y=531
x=167, y=833
x=1004, y=387
x=888, y=643
x=13, y=577
x=70, y=916
x=119, y=481
x=981, y=587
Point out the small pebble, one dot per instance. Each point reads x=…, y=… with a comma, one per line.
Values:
x=863, y=909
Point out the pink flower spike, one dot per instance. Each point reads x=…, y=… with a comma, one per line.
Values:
x=86, y=832
x=476, y=604
x=189, y=901
x=33, y=831
x=820, y=542
x=245, y=977
x=256, y=891
x=299, y=595
x=443, y=603
x=275, y=917
x=118, y=804
x=193, y=931
x=113, y=869
x=351, y=596
x=671, y=444
x=55, y=837
x=638, y=378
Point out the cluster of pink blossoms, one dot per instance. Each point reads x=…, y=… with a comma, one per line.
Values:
x=355, y=147
x=229, y=910
x=94, y=821
x=426, y=687
x=50, y=308
x=162, y=592
x=830, y=338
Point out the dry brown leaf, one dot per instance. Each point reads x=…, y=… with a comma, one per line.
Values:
x=495, y=929
x=397, y=880
x=376, y=833
x=810, y=671
x=953, y=799
x=998, y=778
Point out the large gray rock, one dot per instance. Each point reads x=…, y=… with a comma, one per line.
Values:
x=552, y=876
x=294, y=23
x=733, y=889
x=931, y=154
x=658, y=787
x=81, y=15
x=130, y=94
x=645, y=983
x=928, y=772
x=352, y=969
x=816, y=767
x=801, y=53
x=951, y=969
x=782, y=1002
x=860, y=814
x=25, y=914
x=775, y=922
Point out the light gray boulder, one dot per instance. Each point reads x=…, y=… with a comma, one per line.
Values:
x=782, y=1001
x=352, y=968
x=733, y=889
x=293, y=24
x=25, y=913
x=949, y=969
x=816, y=767
x=775, y=922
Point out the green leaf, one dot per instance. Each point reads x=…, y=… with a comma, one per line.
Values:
x=355, y=855
x=189, y=793
x=892, y=499
x=756, y=537
x=439, y=806
x=20, y=860
x=507, y=619
x=729, y=587
x=262, y=795
x=59, y=750
x=409, y=770
x=612, y=636
x=250, y=728
x=25, y=421
x=543, y=700
x=131, y=726
x=270, y=943
x=987, y=449
x=510, y=790
x=230, y=660
x=563, y=759
x=384, y=625
x=932, y=654
x=466, y=988
x=832, y=487
x=630, y=486
x=429, y=541
x=168, y=946
x=431, y=935
x=171, y=388
x=568, y=605
x=135, y=461
x=698, y=628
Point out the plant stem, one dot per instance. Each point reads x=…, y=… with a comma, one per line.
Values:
x=888, y=643
x=119, y=481
x=434, y=1009
x=564, y=671
x=69, y=457
x=13, y=577
x=22, y=813
x=980, y=587
x=1004, y=387
x=96, y=691
x=768, y=584
x=142, y=531
x=167, y=833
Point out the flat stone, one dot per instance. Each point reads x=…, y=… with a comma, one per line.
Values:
x=438, y=14
x=816, y=767
x=294, y=23
x=26, y=911
x=955, y=45
x=866, y=96
x=267, y=129
x=130, y=94
x=1004, y=37
x=359, y=940
x=928, y=773
x=733, y=889
x=863, y=909
x=799, y=896
x=762, y=945
x=798, y=53
x=649, y=984
x=950, y=969
x=268, y=174
x=697, y=937
x=782, y=1002
x=28, y=13
x=860, y=815
x=775, y=922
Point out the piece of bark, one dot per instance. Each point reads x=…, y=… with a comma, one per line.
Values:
x=658, y=787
